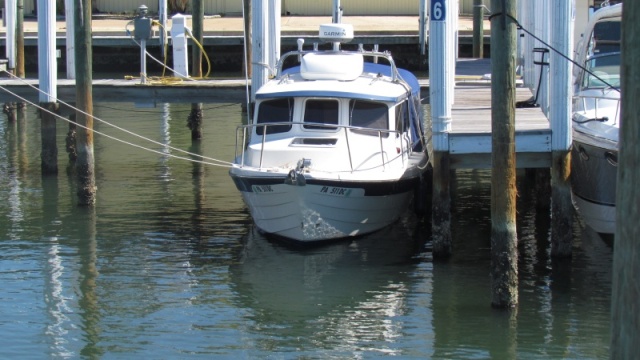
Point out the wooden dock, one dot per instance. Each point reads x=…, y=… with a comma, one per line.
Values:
x=121, y=90
x=470, y=136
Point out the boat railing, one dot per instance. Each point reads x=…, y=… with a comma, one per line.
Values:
x=593, y=101
x=372, y=54
x=244, y=132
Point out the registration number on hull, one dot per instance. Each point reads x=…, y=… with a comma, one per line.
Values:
x=335, y=191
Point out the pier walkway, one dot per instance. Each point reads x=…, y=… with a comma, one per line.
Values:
x=111, y=30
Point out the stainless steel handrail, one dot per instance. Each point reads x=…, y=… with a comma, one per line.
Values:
x=596, y=99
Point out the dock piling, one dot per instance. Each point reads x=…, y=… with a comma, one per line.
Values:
x=560, y=94
x=85, y=163
x=47, y=78
x=625, y=297
x=504, y=241
x=194, y=120
x=441, y=98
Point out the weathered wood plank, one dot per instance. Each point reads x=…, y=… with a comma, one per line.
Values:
x=470, y=137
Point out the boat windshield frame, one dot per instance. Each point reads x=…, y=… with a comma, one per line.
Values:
x=602, y=76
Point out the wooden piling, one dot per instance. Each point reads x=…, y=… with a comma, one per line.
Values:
x=441, y=205
x=441, y=43
x=504, y=242
x=625, y=297
x=85, y=163
x=561, y=204
x=194, y=121
x=9, y=109
x=49, y=152
x=478, y=29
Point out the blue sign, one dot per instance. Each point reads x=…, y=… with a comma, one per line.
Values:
x=438, y=10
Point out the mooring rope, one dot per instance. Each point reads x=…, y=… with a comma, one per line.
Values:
x=214, y=162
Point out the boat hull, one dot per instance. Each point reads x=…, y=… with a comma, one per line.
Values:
x=593, y=181
x=323, y=210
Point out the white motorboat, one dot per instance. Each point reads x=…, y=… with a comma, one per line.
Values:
x=335, y=148
x=596, y=120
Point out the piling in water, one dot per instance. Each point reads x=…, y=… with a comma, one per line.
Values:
x=504, y=241
x=49, y=152
x=561, y=204
x=625, y=297
x=441, y=206
x=194, y=121
x=9, y=109
x=85, y=163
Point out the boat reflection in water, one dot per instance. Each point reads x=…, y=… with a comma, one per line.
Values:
x=345, y=294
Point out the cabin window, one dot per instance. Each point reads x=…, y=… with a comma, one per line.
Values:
x=369, y=114
x=275, y=111
x=605, y=38
x=321, y=111
x=402, y=116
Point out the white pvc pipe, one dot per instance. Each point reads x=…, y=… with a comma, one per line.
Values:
x=10, y=13
x=47, y=63
x=71, y=39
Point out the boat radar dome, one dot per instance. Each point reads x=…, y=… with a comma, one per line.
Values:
x=336, y=32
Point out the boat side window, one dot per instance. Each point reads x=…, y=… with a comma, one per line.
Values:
x=369, y=114
x=321, y=111
x=275, y=111
x=402, y=116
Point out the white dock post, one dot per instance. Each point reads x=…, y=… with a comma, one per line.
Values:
x=47, y=62
x=10, y=13
x=71, y=42
x=275, y=9
x=179, y=40
x=260, y=45
x=562, y=21
x=440, y=80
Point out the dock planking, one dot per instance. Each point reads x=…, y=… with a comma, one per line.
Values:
x=470, y=136
x=122, y=90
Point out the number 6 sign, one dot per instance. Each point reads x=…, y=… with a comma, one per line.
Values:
x=438, y=10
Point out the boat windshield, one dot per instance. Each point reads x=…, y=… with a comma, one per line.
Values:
x=369, y=114
x=274, y=111
x=321, y=111
x=604, y=71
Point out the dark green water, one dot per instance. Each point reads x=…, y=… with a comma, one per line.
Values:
x=169, y=265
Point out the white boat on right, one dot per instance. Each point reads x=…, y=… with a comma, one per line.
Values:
x=596, y=120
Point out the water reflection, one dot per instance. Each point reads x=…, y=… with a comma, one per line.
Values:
x=345, y=296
